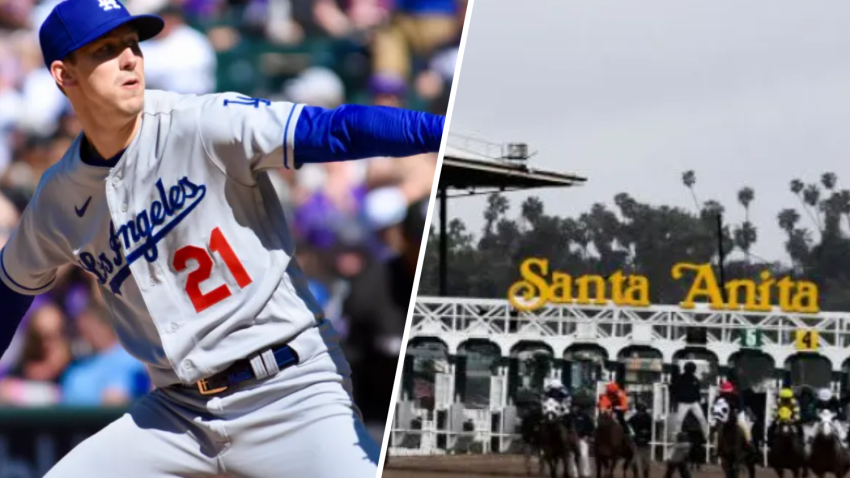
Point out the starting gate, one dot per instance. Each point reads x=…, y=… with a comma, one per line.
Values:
x=600, y=390
x=661, y=417
x=769, y=406
x=665, y=425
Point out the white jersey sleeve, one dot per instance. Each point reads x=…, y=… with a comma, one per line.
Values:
x=33, y=254
x=239, y=132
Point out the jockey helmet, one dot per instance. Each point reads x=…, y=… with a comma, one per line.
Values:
x=785, y=414
x=554, y=384
x=824, y=394
x=690, y=367
x=786, y=393
x=640, y=406
x=612, y=387
x=727, y=387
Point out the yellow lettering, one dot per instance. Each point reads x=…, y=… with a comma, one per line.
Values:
x=534, y=290
x=704, y=285
x=637, y=292
x=584, y=284
x=764, y=303
x=785, y=285
x=617, y=280
x=532, y=286
x=734, y=288
x=562, y=288
x=806, y=299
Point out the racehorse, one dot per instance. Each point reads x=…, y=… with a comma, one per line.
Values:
x=732, y=447
x=610, y=444
x=827, y=454
x=554, y=438
x=787, y=451
x=530, y=432
x=576, y=452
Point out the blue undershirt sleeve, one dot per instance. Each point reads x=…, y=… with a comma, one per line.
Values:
x=14, y=307
x=352, y=132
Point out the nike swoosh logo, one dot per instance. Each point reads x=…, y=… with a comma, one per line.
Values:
x=82, y=211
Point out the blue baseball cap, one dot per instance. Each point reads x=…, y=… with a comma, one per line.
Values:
x=75, y=23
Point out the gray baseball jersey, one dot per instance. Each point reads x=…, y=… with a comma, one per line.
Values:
x=184, y=234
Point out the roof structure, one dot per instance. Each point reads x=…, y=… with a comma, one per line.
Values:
x=475, y=166
x=472, y=165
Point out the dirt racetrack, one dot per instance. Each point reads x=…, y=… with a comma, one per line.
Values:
x=483, y=466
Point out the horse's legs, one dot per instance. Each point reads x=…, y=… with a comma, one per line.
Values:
x=528, y=451
x=730, y=468
x=541, y=463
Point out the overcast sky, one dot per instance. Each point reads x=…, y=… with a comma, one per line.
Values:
x=632, y=93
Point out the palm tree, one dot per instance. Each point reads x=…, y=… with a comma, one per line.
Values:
x=828, y=180
x=797, y=188
x=788, y=220
x=531, y=211
x=745, y=236
x=712, y=209
x=811, y=197
x=844, y=204
x=689, y=179
x=745, y=197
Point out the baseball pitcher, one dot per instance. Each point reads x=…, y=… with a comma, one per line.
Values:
x=165, y=200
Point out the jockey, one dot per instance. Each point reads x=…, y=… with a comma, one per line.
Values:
x=731, y=403
x=827, y=401
x=787, y=410
x=641, y=425
x=557, y=391
x=615, y=399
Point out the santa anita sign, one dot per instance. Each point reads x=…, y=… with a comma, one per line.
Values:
x=538, y=287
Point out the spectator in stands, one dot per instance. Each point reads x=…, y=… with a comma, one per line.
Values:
x=108, y=375
x=358, y=15
x=180, y=59
x=686, y=395
x=46, y=352
x=418, y=27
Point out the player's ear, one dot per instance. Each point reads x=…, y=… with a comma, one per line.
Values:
x=61, y=73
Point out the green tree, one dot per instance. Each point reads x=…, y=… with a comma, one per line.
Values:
x=647, y=239
x=689, y=179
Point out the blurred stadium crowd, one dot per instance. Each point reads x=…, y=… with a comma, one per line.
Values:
x=358, y=225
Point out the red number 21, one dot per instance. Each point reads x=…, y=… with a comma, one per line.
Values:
x=219, y=244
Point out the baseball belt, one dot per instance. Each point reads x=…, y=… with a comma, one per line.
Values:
x=247, y=369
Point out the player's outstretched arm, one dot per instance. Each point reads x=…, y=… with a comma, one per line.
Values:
x=243, y=135
x=12, y=311
x=352, y=132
